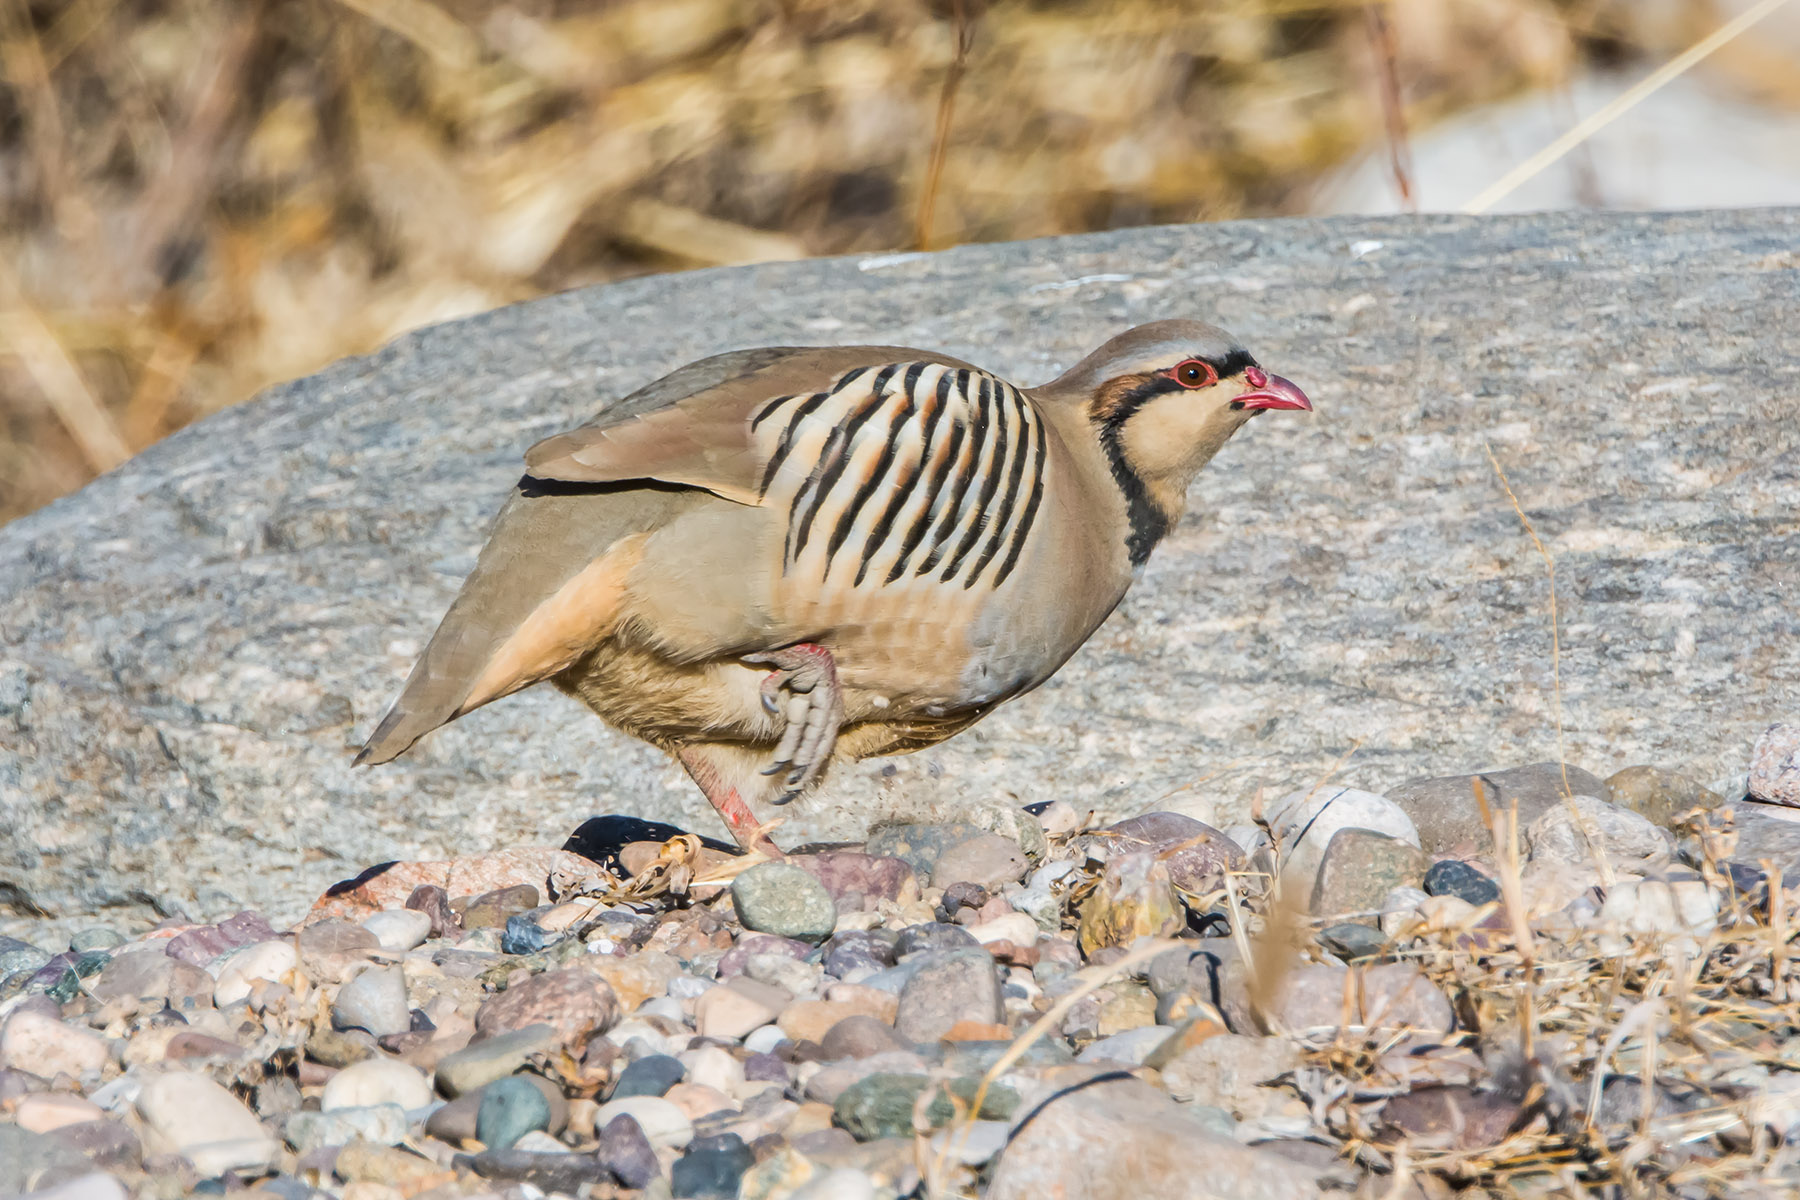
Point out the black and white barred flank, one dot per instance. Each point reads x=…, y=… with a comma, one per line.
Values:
x=910, y=471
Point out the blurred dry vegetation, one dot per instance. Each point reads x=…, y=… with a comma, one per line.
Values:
x=201, y=197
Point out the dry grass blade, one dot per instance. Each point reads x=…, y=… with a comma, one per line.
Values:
x=59, y=379
x=1393, y=109
x=426, y=26
x=940, y=138
x=1620, y=105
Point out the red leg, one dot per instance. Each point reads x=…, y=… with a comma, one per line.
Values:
x=744, y=826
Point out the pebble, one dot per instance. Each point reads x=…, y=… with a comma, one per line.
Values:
x=99, y=938
x=483, y=1062
x=652, y=1075
x=17, y=956
x=205, y=943
x=1204, y=853
x=1305, y=822
x=1358, y=869
x=1120, y=1139
x=1135, y=898
x=46, y=1111
x=1132, y=1047
x=626, y=1152
x=30, y=1161
x=46, y=1047
x=1449, y=821
x=1561, y=838
x=1775, y=766
x=711, y=1169
x=491, y=910
x=1352, y=941
x=509, y=1109
x=240, y=970
x=205, y=1124
x=931, y=936
x=1452, y=877
x=150, y=975
x=857, y=881
x=860, y=1036
x=382, y=1124
x=399, y=929
x=783, y=900
x=1657, y=795
x=947, y=987
x=858, y=954
x=986, y=859
x=1682, y=909
x=1396, y=996
x=879, y=1105
x=1451, y=1118
x=729, y=1012
x=662, y=1121
x=96, y=1185
x=759, y=945
x=375, y=1001
x=573, y=1001
x=376, y=1081
x=920, y=845
x=839, y=1183
x=1400, y=908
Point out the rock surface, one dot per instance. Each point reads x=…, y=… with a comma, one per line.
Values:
x=193, y=644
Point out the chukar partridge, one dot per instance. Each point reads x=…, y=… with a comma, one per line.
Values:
x=772, y=559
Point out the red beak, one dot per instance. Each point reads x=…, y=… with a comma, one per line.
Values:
x=1270, y=391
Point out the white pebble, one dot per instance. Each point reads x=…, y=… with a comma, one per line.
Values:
x=205, y=1124
x=376, y=1081
x=663, y=1123
x=236, y=972
x=44, y=1046
x=399, y=929
x=764, y=1040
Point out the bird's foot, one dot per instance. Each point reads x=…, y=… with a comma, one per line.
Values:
x=803, y=689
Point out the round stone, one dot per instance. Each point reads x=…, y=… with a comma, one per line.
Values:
x=510, y=1108
x=95, y=939
x=879, y=1106
x=711, y=1168
x=652, y=1075
x=399, y=929
x=375, y=1000
x=242, y=969
x=785, y=901
x=662, y=1122
x=376, y=1081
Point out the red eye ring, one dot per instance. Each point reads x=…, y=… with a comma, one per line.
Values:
x=1194, y=373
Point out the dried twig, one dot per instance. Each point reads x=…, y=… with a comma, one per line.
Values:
x=1619, y=106
x=1393, y=111
x=940, y=139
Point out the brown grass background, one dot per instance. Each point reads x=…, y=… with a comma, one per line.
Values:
x=199, y=198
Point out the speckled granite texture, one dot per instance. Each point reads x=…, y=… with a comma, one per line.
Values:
x=190, y=646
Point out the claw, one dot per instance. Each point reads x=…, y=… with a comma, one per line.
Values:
x=813, y=712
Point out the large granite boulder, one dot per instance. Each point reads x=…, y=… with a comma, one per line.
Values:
x=191, y=646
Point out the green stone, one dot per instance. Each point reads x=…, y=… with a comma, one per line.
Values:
x=879, y=1106
x=510, y=1109
x=783, y=900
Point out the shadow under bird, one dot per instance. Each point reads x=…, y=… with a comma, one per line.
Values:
x=773, y=559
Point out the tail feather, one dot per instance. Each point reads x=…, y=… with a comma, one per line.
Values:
x=537, y=588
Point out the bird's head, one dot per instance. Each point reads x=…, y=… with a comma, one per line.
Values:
x=1162, y=399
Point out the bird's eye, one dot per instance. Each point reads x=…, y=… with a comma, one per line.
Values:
x=1194, y=373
